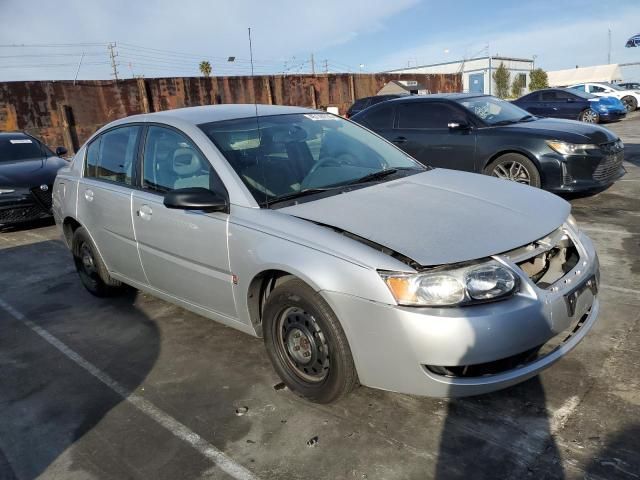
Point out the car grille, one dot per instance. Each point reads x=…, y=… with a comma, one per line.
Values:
x=21, y=214
x=608, y=168
x=43, y=197
x=547, y=260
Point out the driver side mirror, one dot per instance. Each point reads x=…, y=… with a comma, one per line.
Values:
x=196, y=198
x=61, y=151
x=460, y=125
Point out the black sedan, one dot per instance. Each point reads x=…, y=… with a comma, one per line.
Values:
x=483, y=134
x=27, y=171
x=572, y=105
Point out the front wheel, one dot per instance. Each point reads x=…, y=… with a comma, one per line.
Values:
x=515, y=167
x=589, y=116
x=306, y=344
x=630, y=103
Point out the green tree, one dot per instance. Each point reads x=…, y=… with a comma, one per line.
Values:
x=502, y=78
x=517, y=86
x=205, y=68
x=539, y=79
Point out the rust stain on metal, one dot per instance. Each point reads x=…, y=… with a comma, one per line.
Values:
x=39, y=107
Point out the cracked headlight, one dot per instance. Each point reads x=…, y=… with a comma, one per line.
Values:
x=452, y=287
x=565, y=148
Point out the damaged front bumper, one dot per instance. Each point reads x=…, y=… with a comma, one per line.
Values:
x=476, y=349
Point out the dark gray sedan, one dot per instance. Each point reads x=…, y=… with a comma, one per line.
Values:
x=483, y=134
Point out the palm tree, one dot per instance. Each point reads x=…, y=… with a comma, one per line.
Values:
x=205, y=68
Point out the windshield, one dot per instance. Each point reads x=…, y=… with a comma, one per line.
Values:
x=15, y=148
x=494, y=111
x=295, y=154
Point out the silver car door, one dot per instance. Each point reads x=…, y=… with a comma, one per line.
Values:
x=104, y=199
x=184, y=253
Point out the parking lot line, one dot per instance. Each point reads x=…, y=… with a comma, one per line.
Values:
x=179, y=430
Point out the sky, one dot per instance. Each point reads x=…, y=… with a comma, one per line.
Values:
x=46, y=39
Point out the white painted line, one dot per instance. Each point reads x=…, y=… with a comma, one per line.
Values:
x=621, y=289
x=607, y=230
x=560, y=417
x=222, y=461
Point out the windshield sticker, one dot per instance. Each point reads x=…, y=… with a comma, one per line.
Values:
x=21, y=141
x=320, y=116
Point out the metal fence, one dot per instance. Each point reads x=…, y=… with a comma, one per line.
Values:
x=67, y=113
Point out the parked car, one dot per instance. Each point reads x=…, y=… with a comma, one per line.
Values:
x=354, y=262
x=365, y=102
x=27, y=170
x=483, y=134
x=629, y=85
x=630, y=98
x=572, y=105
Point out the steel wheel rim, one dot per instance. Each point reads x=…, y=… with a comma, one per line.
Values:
x=86, y=264
x=513, y=171
x=302, y=345
x=589, y=117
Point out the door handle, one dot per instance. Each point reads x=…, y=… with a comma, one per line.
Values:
x=88, y=195
x=399, y=140
x=144, y=212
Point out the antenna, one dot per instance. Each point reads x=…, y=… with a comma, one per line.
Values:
x=78, y=70
x=255, y=104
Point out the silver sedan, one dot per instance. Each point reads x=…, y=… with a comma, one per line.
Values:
x=355, y=263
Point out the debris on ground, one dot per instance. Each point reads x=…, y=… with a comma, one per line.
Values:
x=241, y=411
x=312, y=442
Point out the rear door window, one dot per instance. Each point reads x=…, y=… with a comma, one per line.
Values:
x=111, y=156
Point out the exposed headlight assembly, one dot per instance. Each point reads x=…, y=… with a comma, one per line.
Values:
x=565, y=148
x=452, y=287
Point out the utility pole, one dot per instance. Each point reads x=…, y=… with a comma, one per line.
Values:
x=326, y=66
x=113, y=56
x=609, y=54
x=313, y=65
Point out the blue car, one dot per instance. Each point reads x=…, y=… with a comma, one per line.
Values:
x=572, y=105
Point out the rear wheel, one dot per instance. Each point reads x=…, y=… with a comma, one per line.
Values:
x=306, y=343
x=92, y=271
x=589, y=116
x=514, y=167
x=630, y=103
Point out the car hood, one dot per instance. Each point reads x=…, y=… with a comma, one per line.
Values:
x=441, y=216
x=565, y=130
x=29, y=173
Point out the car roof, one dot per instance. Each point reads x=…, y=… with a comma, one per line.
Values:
x=217, y=113
x=438, y=96
x=14, y=135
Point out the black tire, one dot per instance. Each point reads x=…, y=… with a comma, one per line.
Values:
x=294, y=308
x=589, y=116
x=630, y=103
x=90, y=267
x=504, y=163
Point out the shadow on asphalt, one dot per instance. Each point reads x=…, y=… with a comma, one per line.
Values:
x=47, y=402
x=618, y=456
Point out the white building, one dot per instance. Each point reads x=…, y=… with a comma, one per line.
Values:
x=476, y=72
